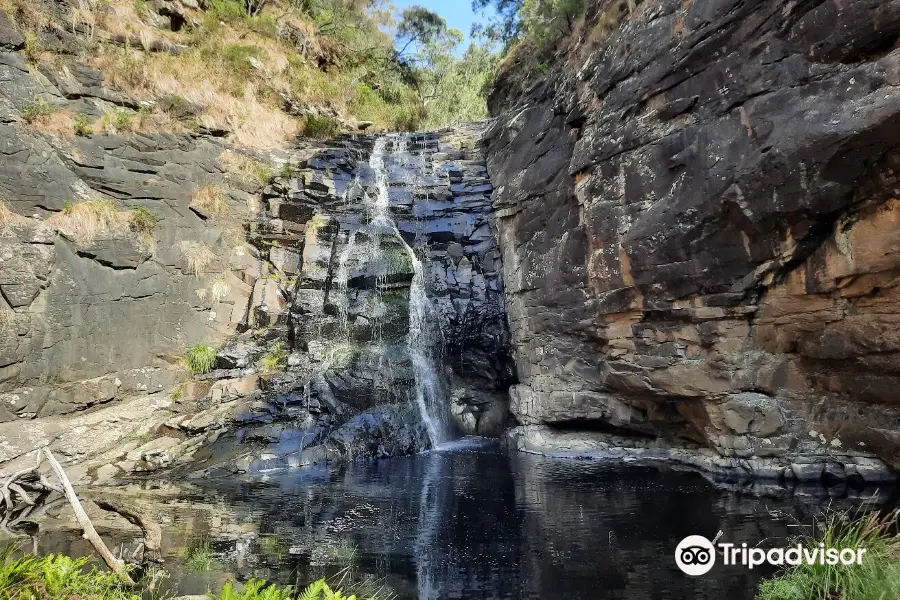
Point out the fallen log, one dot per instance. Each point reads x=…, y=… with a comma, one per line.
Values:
x=151, y=530
x=90, y=534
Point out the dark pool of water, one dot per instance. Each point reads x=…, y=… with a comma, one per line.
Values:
x=478, y=522
x=473, y=521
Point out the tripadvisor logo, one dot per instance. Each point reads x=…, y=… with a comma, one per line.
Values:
x=695, y=555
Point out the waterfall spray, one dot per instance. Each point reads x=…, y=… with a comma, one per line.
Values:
x=424, y=340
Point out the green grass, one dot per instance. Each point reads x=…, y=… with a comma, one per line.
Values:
x=201, y=358
x=144, y=221
x=35, y=110
x=58, y=577
x=876, y=578
x=320, y=127
x=275, y=359
x=199, y=557
x=83, y=125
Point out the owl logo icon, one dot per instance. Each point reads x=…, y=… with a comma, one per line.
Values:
x=695, y=555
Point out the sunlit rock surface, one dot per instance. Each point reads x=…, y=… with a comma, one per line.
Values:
x=699, y=229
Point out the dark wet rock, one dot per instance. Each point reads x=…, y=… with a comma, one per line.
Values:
x=440, y=201
x=381, y=432
x=697, y=230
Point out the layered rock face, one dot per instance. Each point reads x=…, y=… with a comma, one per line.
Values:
x=698, y=218
x=351, y=306
x=352, y=234
x=348, y=249
x=91, y=309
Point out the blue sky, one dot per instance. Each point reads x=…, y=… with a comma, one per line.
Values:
x=457, y=12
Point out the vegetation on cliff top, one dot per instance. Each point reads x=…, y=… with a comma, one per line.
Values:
x=535, y=34
x=261, y=71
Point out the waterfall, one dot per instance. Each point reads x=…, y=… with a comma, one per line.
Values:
x=424, y=340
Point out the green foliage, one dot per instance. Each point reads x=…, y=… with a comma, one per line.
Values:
x=256, y=589
x=201, y=358
x=320, y=591
x=144, y=221
x=876, y=578
x=33, y=49
x=39, y=108
x=539, y=21
x=227, y=10
x=418, y=25
x=142, y=7
x=56, y=576
x=199, y=557
x=545, y=21
x=120, y=119
x=261, y=172
x=83, y=125
x=287, y=171
x=460, y=95
x=275, y=359
x=320, y=127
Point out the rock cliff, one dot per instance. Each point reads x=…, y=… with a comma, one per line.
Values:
x=92, y=307
x=698, y=213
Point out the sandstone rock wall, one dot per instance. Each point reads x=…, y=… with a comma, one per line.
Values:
x=698, y=221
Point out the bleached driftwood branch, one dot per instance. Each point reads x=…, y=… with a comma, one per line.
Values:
x=90, y=534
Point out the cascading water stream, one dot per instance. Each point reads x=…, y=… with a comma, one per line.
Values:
x=424, y=339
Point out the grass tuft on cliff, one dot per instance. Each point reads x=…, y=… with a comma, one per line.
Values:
x=201, y=358
x=85, y=222
x=275, y=360
x=876, y=578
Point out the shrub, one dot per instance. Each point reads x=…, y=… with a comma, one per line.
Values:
x=317, y=222
x=287, y=171
x=83, y=125
x=32, y=50
x=84, y=222
x=201, y=358
x=37, y=109
x=876, y=578
x=118, y=120
x=227, y=10
x=320, y=127
x=407, y=120
x=144, y=221
x=275, y=359
x=141, y=7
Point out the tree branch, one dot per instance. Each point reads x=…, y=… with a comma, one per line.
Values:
x=90, y=534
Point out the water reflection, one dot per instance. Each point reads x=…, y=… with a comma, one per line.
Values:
x=474, y=522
